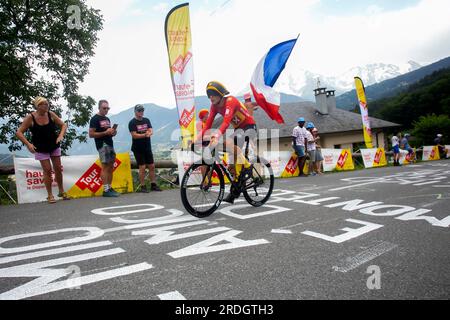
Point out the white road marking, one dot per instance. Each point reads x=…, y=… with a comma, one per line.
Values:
x=281, y=231
x=364, y=257
x=175, y=295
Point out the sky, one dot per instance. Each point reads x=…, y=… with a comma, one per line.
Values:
x=230, y=37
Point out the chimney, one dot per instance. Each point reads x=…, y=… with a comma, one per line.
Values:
x=331, y=100
x=321, y=100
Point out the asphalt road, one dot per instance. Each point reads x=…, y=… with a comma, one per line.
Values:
x=371, y=234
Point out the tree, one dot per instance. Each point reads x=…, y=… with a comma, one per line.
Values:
x=45, y=47
x=426, y=129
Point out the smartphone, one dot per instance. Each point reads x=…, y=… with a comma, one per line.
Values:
x=115, y=126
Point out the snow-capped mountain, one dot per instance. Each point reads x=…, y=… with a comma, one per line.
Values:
x=302, y=82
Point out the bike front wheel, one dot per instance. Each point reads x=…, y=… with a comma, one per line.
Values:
x=258, y=188
x=202, y=189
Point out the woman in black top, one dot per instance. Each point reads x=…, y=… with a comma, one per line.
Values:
x=45, y=143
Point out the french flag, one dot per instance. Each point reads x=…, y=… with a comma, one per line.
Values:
x=266, y=75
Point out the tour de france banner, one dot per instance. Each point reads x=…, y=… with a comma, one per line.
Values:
x=430, y=153
x=361, y=92
x=284, y=164
x=337, y=159
x=179, y=47
x=81, y=177
x=374, y=158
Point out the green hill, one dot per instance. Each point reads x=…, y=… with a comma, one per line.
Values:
x=430, y=95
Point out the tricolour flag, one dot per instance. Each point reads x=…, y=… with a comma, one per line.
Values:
x=361, y=92
x=266, y=75
x=179, y=47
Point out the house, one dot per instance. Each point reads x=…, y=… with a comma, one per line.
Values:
x=338, y=128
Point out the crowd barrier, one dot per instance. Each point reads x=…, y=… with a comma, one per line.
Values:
x=82, y=173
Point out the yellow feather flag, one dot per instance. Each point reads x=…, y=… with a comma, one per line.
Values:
x=361, y=92
x=179, y=47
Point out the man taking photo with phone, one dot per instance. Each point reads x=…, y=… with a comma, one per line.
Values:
x=100, y=129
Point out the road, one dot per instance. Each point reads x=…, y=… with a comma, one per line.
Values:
x=371, y=234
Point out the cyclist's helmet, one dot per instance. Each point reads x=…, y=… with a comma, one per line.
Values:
x=215, y=88
x=202, y=113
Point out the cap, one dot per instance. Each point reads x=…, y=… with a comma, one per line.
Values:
x=247, y=96
x=202, y=113
x=139, y=108
x=310, y=125
x=301, y=120
x=439, y=135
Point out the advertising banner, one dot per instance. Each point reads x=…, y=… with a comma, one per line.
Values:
x=430, y=153
x=284, y=164
x=81, y=177
x=405, y=157
x=337, y=159
x=179, y=48
x=374, y=158
x=361, y=92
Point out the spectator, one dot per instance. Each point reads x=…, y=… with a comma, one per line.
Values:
x=311, y=148
x=299, y=144
x=141, y=130
x=438, y=141
x=396, y=149
x=45, y=144
x=100, y=129
x=203, y=115
x=404, y=144
x=251, y=106
x=319, y=157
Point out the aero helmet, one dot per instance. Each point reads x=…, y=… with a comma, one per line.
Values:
x=215, y=88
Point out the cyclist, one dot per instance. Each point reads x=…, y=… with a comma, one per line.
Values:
x=234, y=113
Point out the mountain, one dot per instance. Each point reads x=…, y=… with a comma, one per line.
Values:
x=302, y=83
x=388, y=88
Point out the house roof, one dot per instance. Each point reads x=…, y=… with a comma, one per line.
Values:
x=336, y=121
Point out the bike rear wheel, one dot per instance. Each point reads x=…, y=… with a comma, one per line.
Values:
x=202, y=189
x=259, y=187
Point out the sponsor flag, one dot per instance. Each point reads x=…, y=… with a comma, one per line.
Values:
x=179, y=47
x=361, y=92
x=266, y=75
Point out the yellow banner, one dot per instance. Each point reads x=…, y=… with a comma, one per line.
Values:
x=431, y=153
x=345, y=161
x=380, y=158
x=90, y=183
x=361, y=92
x=292, y=169
x=179, y=47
